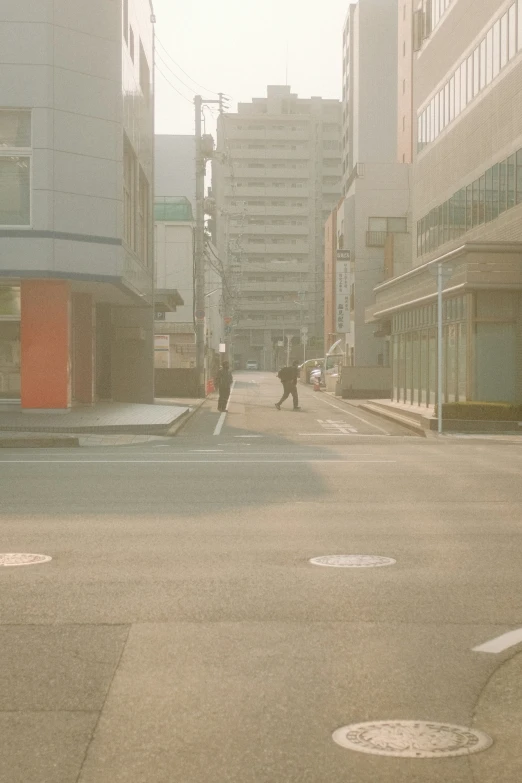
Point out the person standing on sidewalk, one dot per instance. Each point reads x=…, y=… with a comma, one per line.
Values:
x=223, y=384
x=288, y=377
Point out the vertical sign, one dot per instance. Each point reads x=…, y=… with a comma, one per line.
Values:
x=342, y=288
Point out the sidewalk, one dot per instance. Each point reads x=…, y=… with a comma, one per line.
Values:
x=105, y=423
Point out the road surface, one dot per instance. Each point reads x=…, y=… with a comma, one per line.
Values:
x=180, y=633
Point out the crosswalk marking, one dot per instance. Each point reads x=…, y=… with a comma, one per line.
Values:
x=337, y=425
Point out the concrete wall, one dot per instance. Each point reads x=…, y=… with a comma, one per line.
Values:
x=175, y=264
x=361, y=382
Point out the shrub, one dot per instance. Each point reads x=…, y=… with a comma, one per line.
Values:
x=482, y=411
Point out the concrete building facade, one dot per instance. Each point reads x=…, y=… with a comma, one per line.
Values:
x=276, y=180
x=175, y=167
x=467, y=207
x=76, y=166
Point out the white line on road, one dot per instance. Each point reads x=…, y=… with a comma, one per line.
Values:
x=196, y=461
x=349, y=413
x=501, y=643
x=221, y=420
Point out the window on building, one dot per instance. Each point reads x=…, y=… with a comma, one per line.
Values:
x=482, y=197
x=488, y=195
x=131, y=43
x=126, y=20
x=476, y=71
x=129, y=195
x=15, y=168
x=502, y=186
x=519, y=177
x=496, y=48
x=494, y=190
x=144, y=75
x=511, y=170
x=489, y=56
x=463, y=84
x=512, y=32
x=504, y=40
x=483, y=63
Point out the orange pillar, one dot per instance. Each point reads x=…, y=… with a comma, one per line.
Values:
x=45, y=329
x=83, y=352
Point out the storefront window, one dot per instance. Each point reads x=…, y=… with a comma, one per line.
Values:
x=451, y=363
x=395, y=367
x=9, y=342
x=462, y=387
x=432, y=366
x=409, y=364
x=416, y=367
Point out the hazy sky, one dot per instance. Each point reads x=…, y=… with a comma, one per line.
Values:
x=239, y=46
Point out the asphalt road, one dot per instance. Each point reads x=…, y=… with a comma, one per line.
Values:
x=180, y=633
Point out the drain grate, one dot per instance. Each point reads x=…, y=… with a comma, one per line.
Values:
x=353, y=561
x=412, y=739
x=22, y=559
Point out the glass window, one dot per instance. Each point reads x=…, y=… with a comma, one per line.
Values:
x=475, y=210
x=494, y=190
x=447, y=109
x=457, y=92
x=451, y=216
x=481, y=200
x=502, y=186
x=463, y=84
x=519, y=177
x=428, y=124
x=496, y=48
x=512, y=34
x=483, y=62
x=432, y=116
x=15, y=190
x=442, y=114
x=436, y=117
x=489, y=56
x=440, y=224
x=445, y=221
x=489, y=195
x=476, y=71
x=462, y=382
x=504, y=40
x=519, y=24
x=377, y=224
x=469, y=208
x=511, y=181
x=470, y=77
x=451, y=362
x=15, y=129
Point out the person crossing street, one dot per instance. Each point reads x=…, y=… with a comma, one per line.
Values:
x=288, y=377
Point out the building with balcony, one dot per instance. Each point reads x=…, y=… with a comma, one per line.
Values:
x=467, y=207
x=276, y=179
x=76, y=163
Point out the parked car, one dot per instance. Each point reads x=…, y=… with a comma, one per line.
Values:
x=252, y=365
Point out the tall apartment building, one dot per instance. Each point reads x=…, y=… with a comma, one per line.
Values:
x=276, y=182
x=76, y=161
x=467, y=207
x=372, y=220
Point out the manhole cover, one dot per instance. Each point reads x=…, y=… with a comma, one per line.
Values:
x=19, y=559
x=412, y=739
x=353, y=561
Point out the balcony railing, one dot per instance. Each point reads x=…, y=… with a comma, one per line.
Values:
x=376, y=238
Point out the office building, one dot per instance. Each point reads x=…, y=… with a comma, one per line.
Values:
x=76, y=162
x=467, y=208
x=276, y=180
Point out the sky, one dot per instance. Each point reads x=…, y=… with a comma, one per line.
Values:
x=238, y=47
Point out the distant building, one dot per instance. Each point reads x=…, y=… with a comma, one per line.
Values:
x=175, y=167
x=274, y=187
x=76, y=242
x=467, y=207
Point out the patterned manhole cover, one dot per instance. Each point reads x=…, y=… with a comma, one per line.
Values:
x=352, y=561
x=22, y=559
x=412, y=739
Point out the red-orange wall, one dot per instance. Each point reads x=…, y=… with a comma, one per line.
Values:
x=45, y=328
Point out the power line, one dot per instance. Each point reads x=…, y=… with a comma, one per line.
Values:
x=165, y=63
x=173, y=87
x=183, y=71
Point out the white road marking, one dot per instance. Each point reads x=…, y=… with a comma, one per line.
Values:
x=221, y=420
x=349, y=413
x=195, y=461
x=500, y=643
x=206, y=451
x=341, y=427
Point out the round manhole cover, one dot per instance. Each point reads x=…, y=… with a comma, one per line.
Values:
x=22, y=559
x=412, y=739
x=353, y=561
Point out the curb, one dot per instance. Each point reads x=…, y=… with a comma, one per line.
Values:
x=404, y=421
x=184, y=419
x=42, y=442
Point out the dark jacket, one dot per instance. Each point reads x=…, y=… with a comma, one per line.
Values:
x=288, y=375
x=223, y=379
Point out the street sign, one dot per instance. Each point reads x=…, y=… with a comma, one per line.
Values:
x=304, y=329
x=222, y=348
x=200, y=315
x=342, y=301
x=227, y=319
x=343, y=255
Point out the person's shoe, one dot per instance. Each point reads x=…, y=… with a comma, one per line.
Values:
x=278, y=406
x=297, y=408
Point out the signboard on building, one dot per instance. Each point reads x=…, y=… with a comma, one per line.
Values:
x=161, y=342
x=342, y=292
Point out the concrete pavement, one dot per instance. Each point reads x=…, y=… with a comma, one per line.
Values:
x=180, y=632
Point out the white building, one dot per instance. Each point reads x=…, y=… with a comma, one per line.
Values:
x=276, y=179
x=76, y=162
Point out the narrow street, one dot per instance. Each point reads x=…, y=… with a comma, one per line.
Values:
x=181, y=633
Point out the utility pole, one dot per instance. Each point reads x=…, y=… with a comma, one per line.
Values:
x=199, y=259
x=203, y=153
